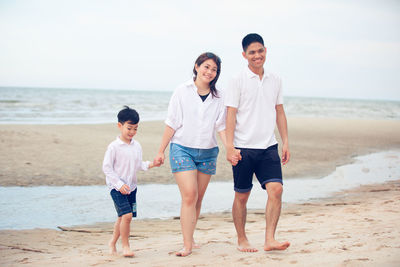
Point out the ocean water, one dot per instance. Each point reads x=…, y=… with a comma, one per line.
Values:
x=49, y=206
x=73, y=106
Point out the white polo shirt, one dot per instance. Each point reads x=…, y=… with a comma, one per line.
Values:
x=255, y=101
x=121, y=162
x=195, y=122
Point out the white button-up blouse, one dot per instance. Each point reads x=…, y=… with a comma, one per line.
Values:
x=195, y=122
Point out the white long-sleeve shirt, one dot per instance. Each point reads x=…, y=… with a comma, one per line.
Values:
x=194, y=121
x=121, y=162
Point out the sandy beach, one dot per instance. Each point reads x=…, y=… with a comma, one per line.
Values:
x=358, y=227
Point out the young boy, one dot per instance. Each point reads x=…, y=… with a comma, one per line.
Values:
x=122, y=160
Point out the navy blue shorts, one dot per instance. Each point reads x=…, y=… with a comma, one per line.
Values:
x=184, y=158
x=124, y=204
x=265, y=163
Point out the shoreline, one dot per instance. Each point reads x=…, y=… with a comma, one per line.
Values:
x=156, y=201
x=32, y=155
x=354, y=227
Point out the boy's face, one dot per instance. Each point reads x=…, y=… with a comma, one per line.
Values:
x=128, y=131
x=255, y=55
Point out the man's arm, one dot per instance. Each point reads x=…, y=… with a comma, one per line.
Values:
x=232, y=154
x=281, y=122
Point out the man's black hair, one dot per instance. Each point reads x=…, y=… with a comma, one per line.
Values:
x=128, y=115
x=251, y=38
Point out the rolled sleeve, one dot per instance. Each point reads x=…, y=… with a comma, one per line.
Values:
x=279, y=98
x=220, y=122
x=174, y=116
x=232, y=94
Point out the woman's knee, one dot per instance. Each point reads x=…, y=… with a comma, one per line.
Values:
x=190, y=197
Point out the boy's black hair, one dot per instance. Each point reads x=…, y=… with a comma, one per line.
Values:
x=128, y=115
x=251, y=38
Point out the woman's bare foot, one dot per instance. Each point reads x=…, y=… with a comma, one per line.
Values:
x=195, y=245
x=275, y=245
x=183, y=252
x=113, y=248
x=127, y=252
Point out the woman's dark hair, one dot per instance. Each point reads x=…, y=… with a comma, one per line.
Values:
x=128, y=115
x=203, y=57
x=251, y=38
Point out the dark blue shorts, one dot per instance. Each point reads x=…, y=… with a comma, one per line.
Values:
x=124, y=204
x=184, y=158
x=265, y=163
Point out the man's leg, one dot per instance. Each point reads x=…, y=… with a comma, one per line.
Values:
x=272, y=213
x=239, y=214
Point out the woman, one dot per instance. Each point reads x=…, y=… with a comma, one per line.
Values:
x=195, y=112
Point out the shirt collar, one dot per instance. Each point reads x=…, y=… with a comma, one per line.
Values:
x=190, y=83
x=251, y=74
x=119, y=141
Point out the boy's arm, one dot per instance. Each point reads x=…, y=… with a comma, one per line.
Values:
x=231, y=152
x=108, y=169
x=281, y=123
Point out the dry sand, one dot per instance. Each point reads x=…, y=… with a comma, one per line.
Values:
x=72, y=154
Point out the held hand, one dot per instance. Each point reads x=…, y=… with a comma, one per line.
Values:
x=285, y=154
x=233, y=155
x=159, y=159
x=124, y=189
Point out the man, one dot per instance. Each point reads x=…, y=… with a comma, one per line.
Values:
x=254, y=105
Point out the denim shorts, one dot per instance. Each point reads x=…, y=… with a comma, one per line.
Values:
x=124, y=204
x=264, y=163
x=184, y=158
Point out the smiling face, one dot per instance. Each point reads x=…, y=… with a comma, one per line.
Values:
x=128, y=131
x=255, y=55
x=207, y=71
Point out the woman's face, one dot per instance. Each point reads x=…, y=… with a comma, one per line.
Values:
x=207, y=71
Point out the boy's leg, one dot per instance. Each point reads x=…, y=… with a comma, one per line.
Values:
x=116, y=233
x=239, y=214
x=272, y=213
x=125, y=227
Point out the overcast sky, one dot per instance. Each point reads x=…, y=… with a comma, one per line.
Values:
x=321, y=48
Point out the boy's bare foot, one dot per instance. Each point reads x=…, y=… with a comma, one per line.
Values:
x=244, y=246
x=183, y=252
x=275, y=245
x=113, y=248
x=127, y=252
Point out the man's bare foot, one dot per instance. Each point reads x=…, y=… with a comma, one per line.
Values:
x=113, y=248
x=127, y=252
x=183, y=252
x=244, y=246
x=275, y=245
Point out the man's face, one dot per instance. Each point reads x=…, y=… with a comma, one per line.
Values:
x=255, y=55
